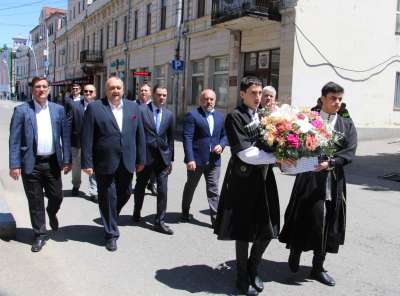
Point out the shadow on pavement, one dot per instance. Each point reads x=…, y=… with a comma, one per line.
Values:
x=221, y=280
x=81, y=233
x=368, y=171
x=68, y=194
x=147, y=222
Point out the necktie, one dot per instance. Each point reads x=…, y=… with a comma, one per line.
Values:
x=158, y=120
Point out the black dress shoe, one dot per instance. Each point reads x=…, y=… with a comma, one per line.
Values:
x=256, y=281
x=323, y=277
x=185, y=218
x=163, y=228
x=111, y=244
x=38, y=244
x=294, y=260
x=245, y=288
x=136, y=218
x=152, y=188
x=75, y=191
x=94, y=198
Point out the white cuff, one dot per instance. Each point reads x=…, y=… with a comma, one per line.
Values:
x=255, y=156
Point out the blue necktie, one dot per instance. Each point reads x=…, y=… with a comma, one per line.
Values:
x=158, y=120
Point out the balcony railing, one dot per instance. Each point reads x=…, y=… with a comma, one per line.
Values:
x=91, y=56
x=225, y=10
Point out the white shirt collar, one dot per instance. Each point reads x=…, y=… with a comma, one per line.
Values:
x=39, y=107
x=328, y=117
x=113, y=107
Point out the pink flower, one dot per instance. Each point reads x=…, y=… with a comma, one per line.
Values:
x=300, y=116
x=293, y=141
x=311, y=142
x=316, y=123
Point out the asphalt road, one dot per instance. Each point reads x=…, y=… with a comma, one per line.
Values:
x=193, y=261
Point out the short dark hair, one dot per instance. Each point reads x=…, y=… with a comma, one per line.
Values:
x=157, y=86
x=36, y=79
x=248, y=81
x=75, y=84
x=331, y=87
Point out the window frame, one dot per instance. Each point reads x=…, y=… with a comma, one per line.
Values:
x=219, y=74
x=148, y=19
x=163, y=15
x=201, y=8
x=194, y=99
x=115, y=33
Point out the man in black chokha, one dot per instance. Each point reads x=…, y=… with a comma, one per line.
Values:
x=248, y=210
x=315, y=218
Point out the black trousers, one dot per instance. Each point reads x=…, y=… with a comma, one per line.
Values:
x=161, y=171
x=46, y=176
x=114, y=191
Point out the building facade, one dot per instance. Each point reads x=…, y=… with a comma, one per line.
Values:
x=290, y=44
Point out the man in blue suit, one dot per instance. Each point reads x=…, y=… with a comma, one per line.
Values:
x=158, y=123
x=37, y=128
x=113, y=146
x=77, y=112
x=204, y=140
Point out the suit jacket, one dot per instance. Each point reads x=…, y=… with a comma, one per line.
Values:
x=104, y=146
x=197, y=139
x=24, y=136
x=161, y=144
x=77, y=112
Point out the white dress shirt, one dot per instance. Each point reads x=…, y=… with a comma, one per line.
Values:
x=155, y=108
x=45, y=145
x=330, y=119
x=254, y=155
x=118, y=113
x=78, y=98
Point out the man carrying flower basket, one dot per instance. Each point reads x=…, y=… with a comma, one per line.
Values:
x=248, y=210
x=315, y=218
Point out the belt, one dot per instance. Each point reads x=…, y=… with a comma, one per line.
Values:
x=43, y=158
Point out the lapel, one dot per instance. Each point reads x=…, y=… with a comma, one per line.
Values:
x=108, y=111
x=32, y=118
x=204, y=119
x=150, y=116
x=53, y=117
x=126, y=116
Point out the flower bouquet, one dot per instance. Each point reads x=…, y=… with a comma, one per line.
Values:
x=298, y=134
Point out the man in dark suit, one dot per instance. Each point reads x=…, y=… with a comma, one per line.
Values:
x=37, y=128
x=113, y=144
x=77, y=111
x=158, y=123
x=144, y=99
x=68, y=105
x=204, y=140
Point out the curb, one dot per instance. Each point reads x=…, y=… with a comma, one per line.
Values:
x=8, y=227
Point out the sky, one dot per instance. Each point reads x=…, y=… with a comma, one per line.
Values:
x=18, y=17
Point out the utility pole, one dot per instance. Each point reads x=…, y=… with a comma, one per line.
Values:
x=178, y=36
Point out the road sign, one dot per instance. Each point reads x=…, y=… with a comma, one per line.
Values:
x=178, y=65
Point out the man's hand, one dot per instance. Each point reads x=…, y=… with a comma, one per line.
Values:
x=218, y=149
x=170, y=169
x=15, y=173
x=322, y=166
x=191, y=165
x=67, y=168
x=139, y=168
x=88, y=171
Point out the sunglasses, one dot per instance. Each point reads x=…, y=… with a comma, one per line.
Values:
x=88, y=91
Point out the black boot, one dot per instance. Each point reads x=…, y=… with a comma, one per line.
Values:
x=257, y=251
x=319, y=273
x=294, y=259
x=243, y=281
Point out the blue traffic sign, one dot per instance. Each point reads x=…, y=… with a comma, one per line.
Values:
x=178, y=65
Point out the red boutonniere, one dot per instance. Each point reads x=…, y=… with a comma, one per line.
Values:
x=133, y=117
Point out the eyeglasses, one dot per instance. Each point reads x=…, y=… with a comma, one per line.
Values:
x=88, y=91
